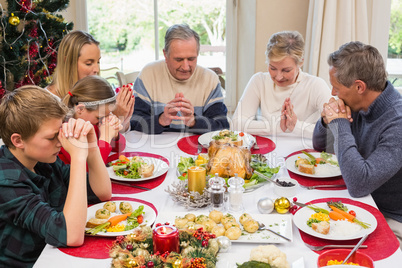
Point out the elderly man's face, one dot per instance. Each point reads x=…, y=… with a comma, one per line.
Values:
x=349, y=95
x=182, y=58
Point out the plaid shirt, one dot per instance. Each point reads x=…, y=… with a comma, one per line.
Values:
x=31, y=209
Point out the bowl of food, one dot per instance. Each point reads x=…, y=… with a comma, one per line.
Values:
x=286, y=187
x=334, y=258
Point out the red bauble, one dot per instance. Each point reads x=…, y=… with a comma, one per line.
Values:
x=150, y=264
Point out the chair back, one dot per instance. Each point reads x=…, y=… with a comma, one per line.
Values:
x=127, y=78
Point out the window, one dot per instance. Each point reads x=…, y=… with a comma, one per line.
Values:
x=394, y=61
x=126, y=30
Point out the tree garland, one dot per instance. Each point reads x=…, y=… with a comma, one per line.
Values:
x=198, y=250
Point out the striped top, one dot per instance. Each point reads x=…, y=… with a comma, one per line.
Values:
x=155, y=87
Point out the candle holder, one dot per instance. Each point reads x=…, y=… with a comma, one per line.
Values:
x=166, y=239
x=196, y=179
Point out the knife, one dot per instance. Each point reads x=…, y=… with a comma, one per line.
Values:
x=130, y=185
x=323, y=186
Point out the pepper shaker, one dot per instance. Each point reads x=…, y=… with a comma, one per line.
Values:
x=217, y=190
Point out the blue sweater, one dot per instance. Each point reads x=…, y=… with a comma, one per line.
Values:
x=369, y=151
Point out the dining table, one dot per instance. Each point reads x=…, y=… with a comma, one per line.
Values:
x=166, y=145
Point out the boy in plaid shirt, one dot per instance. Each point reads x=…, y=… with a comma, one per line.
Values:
x=43, y=200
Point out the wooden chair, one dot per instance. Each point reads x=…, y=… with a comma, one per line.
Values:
x=125, y=79
x=220, y=74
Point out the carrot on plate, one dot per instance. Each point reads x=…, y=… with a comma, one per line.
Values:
x=124, y=158
x=110, y=222
x=343, y=213
x=337, y=216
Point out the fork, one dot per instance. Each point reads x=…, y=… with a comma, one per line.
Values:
x=262, y=226
x=322, y=186
x=318, y=248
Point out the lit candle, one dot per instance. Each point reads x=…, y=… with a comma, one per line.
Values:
x=166, y=238
x=196, y=179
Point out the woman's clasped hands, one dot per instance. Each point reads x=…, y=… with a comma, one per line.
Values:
x=288, y=116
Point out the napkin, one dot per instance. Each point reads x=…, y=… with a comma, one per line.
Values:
x=97, y=247
x=381, y=243
x=308, y=181
x=151, y=184
x=190, y=144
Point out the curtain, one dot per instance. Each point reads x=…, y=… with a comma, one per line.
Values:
x=330, y=24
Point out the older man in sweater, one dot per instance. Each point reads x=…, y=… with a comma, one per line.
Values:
x=176, y=94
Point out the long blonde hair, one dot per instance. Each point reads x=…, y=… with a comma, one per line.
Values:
x=66, y=73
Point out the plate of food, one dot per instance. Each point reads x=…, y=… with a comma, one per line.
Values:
x=240, y=228
x=251, y=182
x=115, y=218
x=136, y=168
x=226, y=136
x=335, y=221
x=314, y=165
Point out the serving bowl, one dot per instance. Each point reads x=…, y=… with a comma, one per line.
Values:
x=286, y=191
x=340, y=254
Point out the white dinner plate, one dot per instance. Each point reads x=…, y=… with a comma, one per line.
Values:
x=160, y=168
x=206, y=138
x=302, y=215
x=149, y=215
x=321, y=170
x=279, y=223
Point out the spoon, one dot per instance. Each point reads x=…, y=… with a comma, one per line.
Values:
x=267, y=178
x=355, y=248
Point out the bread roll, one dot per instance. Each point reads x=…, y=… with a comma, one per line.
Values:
x=322, y=227
x=308, y=169
x=95, y=222
x=146, y=170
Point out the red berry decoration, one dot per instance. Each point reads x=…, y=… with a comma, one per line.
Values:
x=150, y=264
x=158, y=224
x=294, y=199
x=204, y=243
x=129, y=247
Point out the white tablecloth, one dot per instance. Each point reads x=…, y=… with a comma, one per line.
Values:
x=165, y=145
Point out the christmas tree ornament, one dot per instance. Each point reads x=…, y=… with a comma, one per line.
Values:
x=282, y=205
x=14, y=20
x=224, y=243
x=265, y=205
x=177, y=263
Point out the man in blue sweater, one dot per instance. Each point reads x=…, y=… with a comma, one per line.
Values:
x=364, y=128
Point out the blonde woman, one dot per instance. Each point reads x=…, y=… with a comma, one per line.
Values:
x=284, y=99
x=78, y=56
x=92, y=99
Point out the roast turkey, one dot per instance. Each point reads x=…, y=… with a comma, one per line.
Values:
x=229, y=159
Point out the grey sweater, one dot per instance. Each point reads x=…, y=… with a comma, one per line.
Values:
x=369, y=151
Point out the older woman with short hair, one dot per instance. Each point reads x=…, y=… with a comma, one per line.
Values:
x=284, y=99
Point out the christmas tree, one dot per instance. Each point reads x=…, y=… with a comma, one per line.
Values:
x=31, y=32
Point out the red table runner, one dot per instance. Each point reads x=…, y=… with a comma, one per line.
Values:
x=308, y=181
x=97, y=247
x=151, y=184
x=189, y=145
x=381, y=243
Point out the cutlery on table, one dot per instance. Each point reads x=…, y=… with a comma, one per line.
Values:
x=267, y=178
x=322, y=186
x=318, y=248
x=355, y=248
x=130, y=185
x=262, y=226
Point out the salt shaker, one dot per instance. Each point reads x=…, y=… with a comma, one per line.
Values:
x=236, y=194
x=217, y=190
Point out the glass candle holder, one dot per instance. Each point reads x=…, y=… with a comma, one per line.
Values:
x=196, y=179
x=236, y=194
x=166, y=238
x=217, y=190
